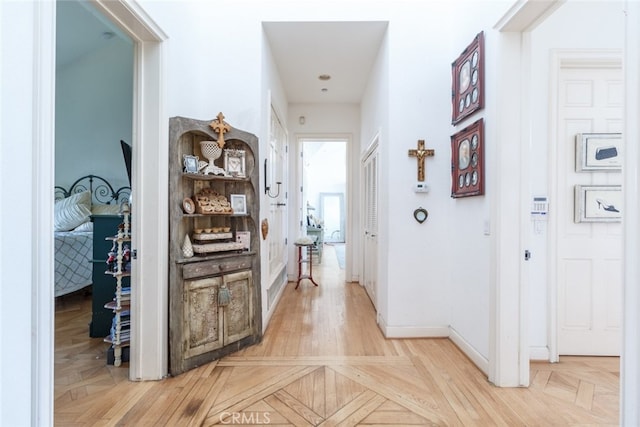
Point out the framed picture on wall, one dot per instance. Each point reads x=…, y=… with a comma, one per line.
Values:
x=467, y=161
x=598, y=203
x=598, y=152
x=467, y=73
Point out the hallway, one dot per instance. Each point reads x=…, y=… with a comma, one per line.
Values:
x=323, y=361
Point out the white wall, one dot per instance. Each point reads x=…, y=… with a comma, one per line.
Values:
x=26, y=213
x=375, y=124
x=470, y=218
x=601, y=26
x=94, y=110
x=274, y=97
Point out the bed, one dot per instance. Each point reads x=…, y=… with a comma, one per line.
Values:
x=88, y=196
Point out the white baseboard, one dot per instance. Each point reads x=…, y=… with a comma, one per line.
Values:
x=436, y=332
x=539, y=353
x=267, y=316
x=411, y=331
x=478, y=359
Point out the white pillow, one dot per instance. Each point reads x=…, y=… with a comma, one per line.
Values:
x=113, y=209
x=72, y=211
x=87, y=226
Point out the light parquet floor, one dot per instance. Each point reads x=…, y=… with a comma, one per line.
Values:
x=324, y=362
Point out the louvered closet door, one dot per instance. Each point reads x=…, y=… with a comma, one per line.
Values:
x=370, y=264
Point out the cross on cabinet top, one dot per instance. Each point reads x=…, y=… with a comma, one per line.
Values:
x=420, y=153
x=220, y=126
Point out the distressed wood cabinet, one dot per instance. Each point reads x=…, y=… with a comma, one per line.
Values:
x=203, y=326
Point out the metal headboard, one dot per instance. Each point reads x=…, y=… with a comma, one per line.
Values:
x=102, y=192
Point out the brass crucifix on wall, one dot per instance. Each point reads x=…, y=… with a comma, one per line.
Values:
x=420, y=155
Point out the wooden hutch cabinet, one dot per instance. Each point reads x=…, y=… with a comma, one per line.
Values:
x=214, y=265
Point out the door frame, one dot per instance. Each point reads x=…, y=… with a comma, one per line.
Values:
x=349, y=238
x=149, y=299
x=584, y=58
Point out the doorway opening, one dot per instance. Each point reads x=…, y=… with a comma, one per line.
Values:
x=93, y=137
x=324, y=184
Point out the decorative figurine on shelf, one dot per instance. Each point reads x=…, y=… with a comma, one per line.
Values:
x=111, y=261
x=187, y=247
x=126, y=258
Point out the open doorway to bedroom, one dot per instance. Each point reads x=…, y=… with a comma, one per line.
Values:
x=93, y=156
x=324, y=183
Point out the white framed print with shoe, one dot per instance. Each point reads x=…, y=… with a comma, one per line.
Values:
x=598, y=203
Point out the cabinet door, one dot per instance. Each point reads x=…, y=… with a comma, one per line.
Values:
x=202, y=328
x=238, y=314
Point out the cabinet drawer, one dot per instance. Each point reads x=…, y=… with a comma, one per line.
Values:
x=210, y=268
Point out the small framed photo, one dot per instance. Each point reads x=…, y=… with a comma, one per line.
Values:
x=244, y=237
x=190, y=163
x=598, y=203
x=467, y=161
x=467, y=71
x=238, y=204
x=188, y=206
x=598, y=152
x=234, y=162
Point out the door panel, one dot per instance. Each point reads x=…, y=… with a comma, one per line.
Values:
x=202, y=329
x=589, y=280
x=237, y=318
x=370, y=250
x=277, y=172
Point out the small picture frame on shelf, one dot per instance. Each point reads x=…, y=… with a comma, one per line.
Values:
x=234, y=162
x=598, y=152
x=238, y=204
x=188, y=206
x=467, y=91
x=598, y=203
x=467, y=161
x=244, y=237
x=190, y=163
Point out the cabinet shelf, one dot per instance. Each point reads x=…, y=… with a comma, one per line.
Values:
x=118, y=239
x=200, y=177
x=118, y=273
x=112, y=306
x=123, y=342
x=223, y=215
x=213, y=257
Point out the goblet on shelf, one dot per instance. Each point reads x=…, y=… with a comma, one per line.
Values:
x=211, y=151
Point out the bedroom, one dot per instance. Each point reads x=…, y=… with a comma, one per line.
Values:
x=94, y=85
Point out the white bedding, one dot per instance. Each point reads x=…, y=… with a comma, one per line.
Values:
x=73, y=255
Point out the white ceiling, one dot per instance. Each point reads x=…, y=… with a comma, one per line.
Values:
x=81, y=29
x=344, y=50
x=301, y=50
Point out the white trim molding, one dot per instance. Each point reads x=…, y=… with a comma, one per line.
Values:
x=149, y=299
x=630, y=360
x=476, y=357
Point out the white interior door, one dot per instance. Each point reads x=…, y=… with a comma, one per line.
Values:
x=277, y=173
x=370, y=247
x=589, y=254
